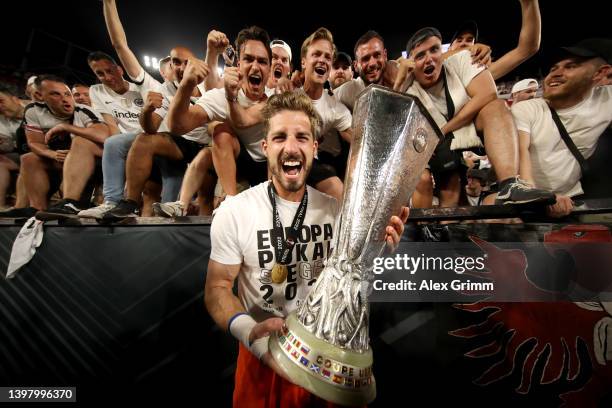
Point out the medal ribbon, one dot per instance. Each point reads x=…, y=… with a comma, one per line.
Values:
x=283, y=247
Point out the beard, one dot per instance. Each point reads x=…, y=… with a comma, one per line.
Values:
x=367, y=82
x=291, y=185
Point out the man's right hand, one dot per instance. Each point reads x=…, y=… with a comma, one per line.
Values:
x=216, y=41
x=195, y=72
x=261, y=332
x=231, y=80
x=60, y=155
x=154, y=101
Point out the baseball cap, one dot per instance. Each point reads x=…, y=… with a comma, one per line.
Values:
x=421, y=35
x=31, y=80
x=281, y=44
x=468, y=26
x=592, y=47
x=524, y=84
x=343, y=57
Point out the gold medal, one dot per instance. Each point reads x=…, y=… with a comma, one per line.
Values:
x=279, y=273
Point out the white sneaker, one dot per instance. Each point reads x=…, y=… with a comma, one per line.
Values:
x=97, y=212
x=169, y=210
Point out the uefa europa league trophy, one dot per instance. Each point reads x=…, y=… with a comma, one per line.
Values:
x=325, y=345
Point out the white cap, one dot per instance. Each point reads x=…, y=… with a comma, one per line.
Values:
x=524, y=84
x=31, y=80
x=281, y=44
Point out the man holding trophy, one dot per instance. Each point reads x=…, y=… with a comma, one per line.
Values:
x=277, y=237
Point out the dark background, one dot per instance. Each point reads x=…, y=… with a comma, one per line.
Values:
x=153, y=27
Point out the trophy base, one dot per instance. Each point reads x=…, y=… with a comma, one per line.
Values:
x=338, y=375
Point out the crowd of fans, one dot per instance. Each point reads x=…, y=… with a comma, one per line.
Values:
x=180, y=147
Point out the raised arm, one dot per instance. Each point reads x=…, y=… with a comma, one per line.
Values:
x=182, y=116
x=119, y=40
x=241, y=117
x=528, y=43
x=216, y=42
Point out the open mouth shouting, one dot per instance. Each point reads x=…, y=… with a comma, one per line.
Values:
x=429, y=71
x=255, y=80
x=320, y=70
x=278, y=71
x=292, y=168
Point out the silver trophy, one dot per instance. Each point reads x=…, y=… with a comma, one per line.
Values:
x=324, y=346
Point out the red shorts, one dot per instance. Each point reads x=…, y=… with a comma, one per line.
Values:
x=257, y=385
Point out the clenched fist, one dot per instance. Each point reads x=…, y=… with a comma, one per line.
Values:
x=217, y=41
x=195, y=72
x=232, y=79
x=154, y=101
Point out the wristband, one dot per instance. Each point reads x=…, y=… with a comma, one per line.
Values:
x=240, y=326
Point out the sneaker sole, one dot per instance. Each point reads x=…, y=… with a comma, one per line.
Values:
x=92, y=217
x=546, y=201
x=157, y=210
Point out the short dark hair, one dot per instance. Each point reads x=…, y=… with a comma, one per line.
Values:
x=80, y=84
x=253, y=33
x=420, y=36
x=48, y=77
x=98, y=56
x=367, y=37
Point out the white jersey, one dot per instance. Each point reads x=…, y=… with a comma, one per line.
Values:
x=8, y=133
x=347, y=92
x=168, y=91
x=125, y=108
x=216, y=107
x=39, y=118
x=553, y=166
x=241, y=235
x=335, y=117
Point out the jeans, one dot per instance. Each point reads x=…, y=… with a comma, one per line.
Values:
x=114, y=156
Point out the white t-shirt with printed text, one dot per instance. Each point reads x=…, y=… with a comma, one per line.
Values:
x=554, y=168
x=241, y=235
x=125, y=108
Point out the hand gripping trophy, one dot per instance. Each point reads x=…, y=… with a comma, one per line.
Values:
x=324, y=346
